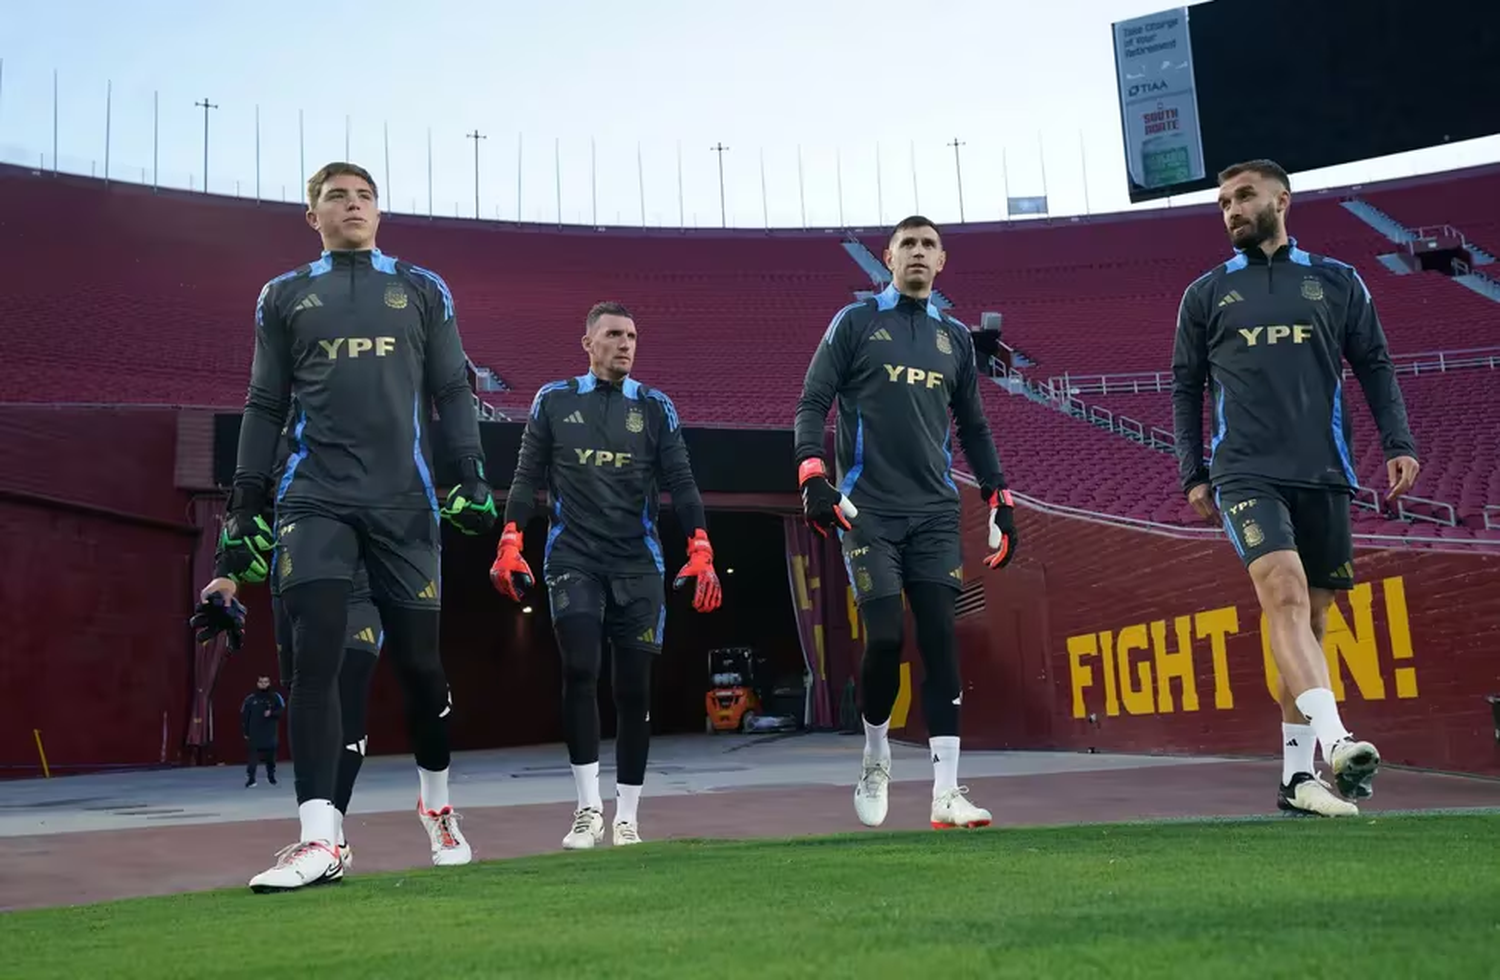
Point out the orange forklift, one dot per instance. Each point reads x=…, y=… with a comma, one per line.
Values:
x=734, y=700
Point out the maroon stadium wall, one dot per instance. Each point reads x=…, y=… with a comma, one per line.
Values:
x=94, y=588
x=1111, y=638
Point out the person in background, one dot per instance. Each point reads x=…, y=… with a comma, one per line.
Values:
x=260, y=723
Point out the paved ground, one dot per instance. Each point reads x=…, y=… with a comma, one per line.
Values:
x=91, y=838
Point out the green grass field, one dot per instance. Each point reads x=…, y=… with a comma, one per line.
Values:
x=1410, y=896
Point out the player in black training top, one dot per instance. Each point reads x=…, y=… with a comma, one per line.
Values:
x=1267, y=334
x=897, y=367
x=603, y=444
x=368, y=345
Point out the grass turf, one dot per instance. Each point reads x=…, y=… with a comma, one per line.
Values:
x=1411, y=896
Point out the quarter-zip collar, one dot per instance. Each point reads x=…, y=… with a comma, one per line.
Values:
x=1286, y=253
x=892, y=298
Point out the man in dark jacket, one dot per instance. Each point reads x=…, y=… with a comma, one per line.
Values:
x=260, y=719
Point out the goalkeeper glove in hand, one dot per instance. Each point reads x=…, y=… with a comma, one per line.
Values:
x=218, y=614
x=1003, y=536
x=700, y=565
x=823, y=507
x=246, y=539
x=471, y=506
x=510, y=575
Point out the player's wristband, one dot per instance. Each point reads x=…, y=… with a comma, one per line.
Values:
x=811, y=467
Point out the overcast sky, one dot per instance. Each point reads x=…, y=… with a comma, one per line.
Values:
x=1017, y=83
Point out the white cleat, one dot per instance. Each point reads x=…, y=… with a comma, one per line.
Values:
x=952, y=809
x=625, y=832
x=1308, y=793
x=300, y=865
x=1354, y=765
x=587, y=832
x=346, y=856
x=871, y=793
x=448, y=844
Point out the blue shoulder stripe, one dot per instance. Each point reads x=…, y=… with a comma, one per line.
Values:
x=442, y=288
x=1352, y=271
x=834, y=323
x=666, y=403
x=543, y=392
x=260, y=302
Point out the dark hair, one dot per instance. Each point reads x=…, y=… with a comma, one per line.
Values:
x=607, y=308
x=1261, y=168
x=338, y=169
x=916, y=221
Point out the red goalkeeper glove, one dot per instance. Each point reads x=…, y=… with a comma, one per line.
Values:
x=510, y=574
x=1003, y=536
x=700, y=565
x=823, y=507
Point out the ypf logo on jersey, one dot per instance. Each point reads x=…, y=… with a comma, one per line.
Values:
x=635, y=421
x=913, y=375
x=395, y=297
x=1312, y=290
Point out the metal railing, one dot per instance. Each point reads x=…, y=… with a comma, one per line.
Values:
x=1145, y=382
x=1053, y=394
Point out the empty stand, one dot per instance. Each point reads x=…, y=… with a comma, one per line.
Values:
x=118, y=295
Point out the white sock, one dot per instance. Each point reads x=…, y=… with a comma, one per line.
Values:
x=627, y=799
x=586, y=778
x=319, y=820
x=434, y=789
x=1322, y=712
x=1298, y=746
x=944, y=764
x=877, y=744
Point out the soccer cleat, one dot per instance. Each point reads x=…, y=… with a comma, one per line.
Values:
x=871, y=792
x=1354, y=766
x=952, y=809
x=300, y=865
x=448, y=844
x=249, y=782
x=1308, y=793
x=587, y=832
x=625, y=832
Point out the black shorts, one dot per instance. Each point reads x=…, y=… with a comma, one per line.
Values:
x=363, y=631
x=632, y=608
x=1262, y=517
x=400, y=550
x=884, y=554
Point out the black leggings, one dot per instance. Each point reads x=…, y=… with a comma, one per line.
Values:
x=580, y=640
x=354, y=701
x=932, y=607
x=319, y=621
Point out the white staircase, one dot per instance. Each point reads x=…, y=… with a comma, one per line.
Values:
x=1379, y=220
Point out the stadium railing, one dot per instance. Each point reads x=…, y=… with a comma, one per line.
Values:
x=1145, y=382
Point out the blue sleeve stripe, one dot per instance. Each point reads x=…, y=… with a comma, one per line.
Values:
x=260, y=302
x=666, y=403
x=833, y=324
x=1353, y=272
x=442, y=287
x=542, y=392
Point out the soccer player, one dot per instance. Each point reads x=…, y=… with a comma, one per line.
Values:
x=601, y=443
x=368, y=345
x=1270, y=329
x=898, y=366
